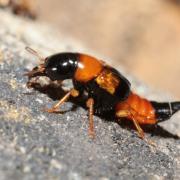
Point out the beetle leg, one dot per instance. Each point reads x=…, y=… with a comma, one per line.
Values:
x=72, y=92
x=90, y=105
x=127, y=113
x=123, y=113
x=138, y=127
x=141, y=132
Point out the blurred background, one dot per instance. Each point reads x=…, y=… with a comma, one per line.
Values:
x=142, y=35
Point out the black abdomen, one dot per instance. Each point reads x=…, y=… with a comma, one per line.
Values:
x=165, y=110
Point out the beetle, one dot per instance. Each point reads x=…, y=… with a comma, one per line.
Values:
x=108, y=91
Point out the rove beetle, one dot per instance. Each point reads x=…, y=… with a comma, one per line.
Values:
x=108, y=91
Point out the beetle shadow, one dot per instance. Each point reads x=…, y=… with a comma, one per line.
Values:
x=56, y=92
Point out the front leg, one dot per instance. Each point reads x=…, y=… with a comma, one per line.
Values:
x=54, y=109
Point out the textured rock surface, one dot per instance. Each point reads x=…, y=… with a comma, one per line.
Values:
x=38, y=145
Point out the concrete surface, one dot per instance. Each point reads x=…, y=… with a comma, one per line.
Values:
x=38, y=145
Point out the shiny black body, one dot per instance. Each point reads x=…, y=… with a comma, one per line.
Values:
x=104, y=101
x=165, y=110
x=61, y=66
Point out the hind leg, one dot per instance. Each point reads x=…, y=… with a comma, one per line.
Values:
x=128, y=114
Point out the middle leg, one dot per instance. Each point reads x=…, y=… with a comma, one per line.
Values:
x=90, y=105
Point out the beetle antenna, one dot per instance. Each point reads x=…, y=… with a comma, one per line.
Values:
x=35, y=53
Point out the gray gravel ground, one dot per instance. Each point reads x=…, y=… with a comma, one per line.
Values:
x=38, y=145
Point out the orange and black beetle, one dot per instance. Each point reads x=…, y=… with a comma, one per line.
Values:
x=107, y=90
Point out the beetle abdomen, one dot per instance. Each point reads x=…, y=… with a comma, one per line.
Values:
x=165, y=110
x=138, y=108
